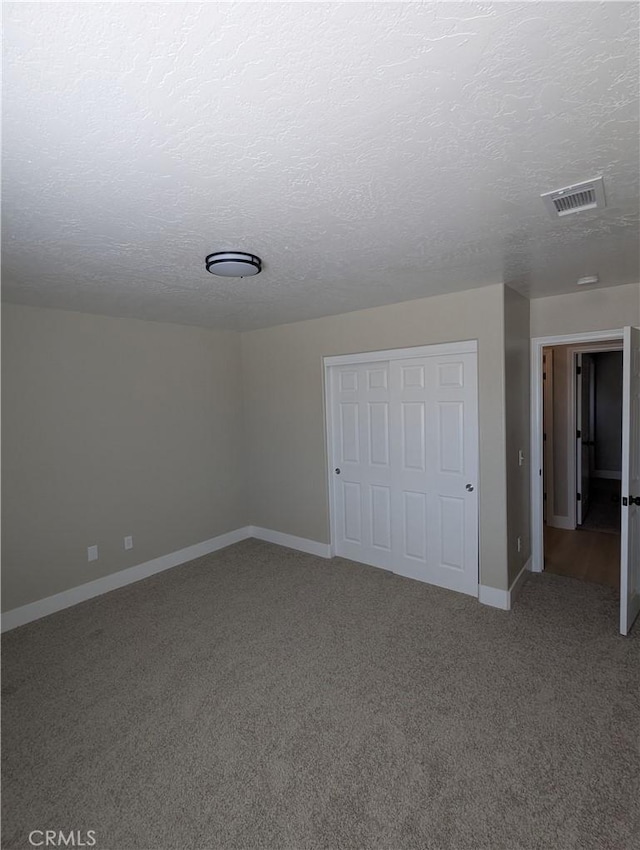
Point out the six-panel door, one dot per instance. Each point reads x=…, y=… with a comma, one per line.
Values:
x=405, y=459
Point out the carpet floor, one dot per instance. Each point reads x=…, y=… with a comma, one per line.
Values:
x=264, y=698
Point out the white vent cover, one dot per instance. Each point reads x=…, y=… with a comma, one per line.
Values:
x=577, y=198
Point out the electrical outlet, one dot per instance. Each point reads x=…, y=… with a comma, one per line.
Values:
x=128, y=542
x=520, y=457
x=92, y=553
x=519, y=544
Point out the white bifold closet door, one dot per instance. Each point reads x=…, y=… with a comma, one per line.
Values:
x=404, y=453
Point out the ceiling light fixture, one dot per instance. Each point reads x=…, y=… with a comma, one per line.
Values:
x=589, y=279
x=233, y=264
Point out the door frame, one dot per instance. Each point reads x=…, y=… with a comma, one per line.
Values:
x=548, y=436
x=577, y=362
x=537, y=447
x=572, y=418
x=436, y=349
x=569, y=389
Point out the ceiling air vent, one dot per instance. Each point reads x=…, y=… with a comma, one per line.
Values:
x=577, y=198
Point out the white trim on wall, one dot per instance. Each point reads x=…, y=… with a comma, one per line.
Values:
x=467, y=346
x=504, y=599
x=548, y=426
x=301, y=544
x=75, y=595
x=537, y=449
x=83, y=592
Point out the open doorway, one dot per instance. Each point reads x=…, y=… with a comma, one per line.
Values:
x=582, y=462
x=559, y=511
x=599, y=441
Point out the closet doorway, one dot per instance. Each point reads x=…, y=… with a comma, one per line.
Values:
x=402, y=435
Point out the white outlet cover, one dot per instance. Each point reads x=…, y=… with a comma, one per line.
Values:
x=128, y=542
x=92, y=553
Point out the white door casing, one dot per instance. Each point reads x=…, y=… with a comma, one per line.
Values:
x=630, y=525
x=585, y=404
x=547, y=428
x=403, y=433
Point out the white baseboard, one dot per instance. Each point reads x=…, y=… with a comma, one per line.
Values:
x=504, y=599
x=561, y=522
x=607, y=473
x=494, y=597
x=73, y=596
x=519, y=580
x=51, y=604
x=43, y=607
x=302, y=544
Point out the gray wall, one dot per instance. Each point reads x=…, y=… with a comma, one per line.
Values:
x=116, y=426
x=284, y=407
x=588, y=310
x=517, y=417
x=113, y=427
x=608, y=391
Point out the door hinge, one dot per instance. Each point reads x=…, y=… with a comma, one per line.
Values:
x=578, y=497
x=544, y=438
x=579, y=370
x=578, y=434
x=625, y=502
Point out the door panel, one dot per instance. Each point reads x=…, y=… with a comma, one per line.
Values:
x=381, y=516
x=352, y=512
x=414, y=517
x=413, y=436
x=378, y=433
x=350, y=432
x=451, y=436
x=630, y=526
x=407, y=447
x=451, y=543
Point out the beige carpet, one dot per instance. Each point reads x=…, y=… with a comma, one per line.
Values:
x=262, y=698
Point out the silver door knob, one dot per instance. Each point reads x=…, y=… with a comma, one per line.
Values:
x=470, y=488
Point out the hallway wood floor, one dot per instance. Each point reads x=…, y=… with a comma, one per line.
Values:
x=587, y=555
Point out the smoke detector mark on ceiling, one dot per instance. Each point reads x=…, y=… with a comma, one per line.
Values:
x=576, y=198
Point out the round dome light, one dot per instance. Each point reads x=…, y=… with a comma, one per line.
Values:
x=233, y=264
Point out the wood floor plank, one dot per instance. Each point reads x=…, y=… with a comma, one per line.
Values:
x=587, y=555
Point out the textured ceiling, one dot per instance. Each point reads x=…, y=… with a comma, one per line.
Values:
x=368, y=152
